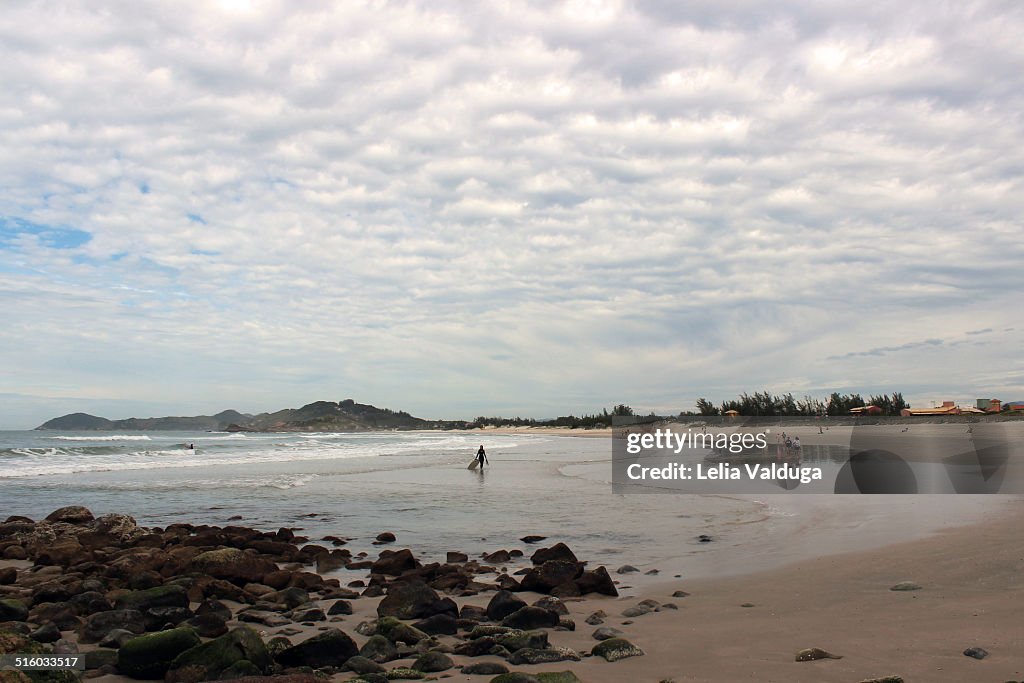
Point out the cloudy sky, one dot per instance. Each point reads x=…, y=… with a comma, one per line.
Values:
x=506, y=207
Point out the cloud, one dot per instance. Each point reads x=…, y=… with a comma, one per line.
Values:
x=532, y=208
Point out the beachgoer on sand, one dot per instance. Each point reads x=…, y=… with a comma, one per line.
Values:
x=481, y=457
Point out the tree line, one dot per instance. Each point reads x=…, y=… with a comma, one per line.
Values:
x=767, y=404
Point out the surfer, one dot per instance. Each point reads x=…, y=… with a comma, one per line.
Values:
x=481, y=457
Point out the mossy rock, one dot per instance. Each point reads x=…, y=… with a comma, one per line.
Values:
x=361, y=665
x=11, y=642
x=13, y=676
x=150, y=656
x=519, y=640
x=557, y=677
x=433, y=662
x=13, y=610
x=277, y=645
x=399, y=632
x=379, y=649
x=404, y=674
x=515, y=677
x=491, y=630
x=15, y=643
x=161, y=596
x=209, y=660
x=615, y=649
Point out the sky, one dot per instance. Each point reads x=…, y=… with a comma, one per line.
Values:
x=506, y=208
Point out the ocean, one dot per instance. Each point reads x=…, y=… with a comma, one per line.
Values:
x=416, y=485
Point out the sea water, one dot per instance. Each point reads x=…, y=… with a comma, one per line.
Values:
x=416, y=485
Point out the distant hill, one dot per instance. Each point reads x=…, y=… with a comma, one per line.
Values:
x=320, y=416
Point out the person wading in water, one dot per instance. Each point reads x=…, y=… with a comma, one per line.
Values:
x=481, y=457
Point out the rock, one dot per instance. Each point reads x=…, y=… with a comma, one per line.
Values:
x=362, y=665
x=328, y=563
x=642, y=608
x=532, y=539
x=704, y=538
x=606, y=632
x=161, y=596
x=559, y=551
x=65, y=647
x=596, y=618
x=13, y=610
x=150, y=656
x=551, y=574
x=502, y=604
x=231, y=564
x=626, y=569
x=531, y=617
x=409, y=600
x=72, y=514
x=394, y=562
x=905, y=586
x=340, y=607
x=15, y=552
x=680, y=594
x=498, y=557
x=812, y=653
x=208, y=625
x=257, y=616
x=439, y=624
x=214, y=607
x=474, y=613
x=614, y=649
x=98, y=625
x=145, y=580
x=289, y=597
x=47, y=633
x=90, y=602
x=433, y=662
x=397, y=632
x=456, y=557
x=519, y=640
x=330, y=648
x=308, y=614
x=116, y=638
x=976, y=652
x=8, y=575
x=241, y=669
x=485, y=669
x=887, y=679
x=597, y=581
x=379, y=649
x=386, y=537
x=553, y=604
x=160, y=617
x=368, y=678
x=559, y=677
x=477, y=647
x=122, y=528
x=530, y=656
x=515, y=677
x=208, y=661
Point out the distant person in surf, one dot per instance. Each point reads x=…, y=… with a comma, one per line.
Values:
x=481, y=457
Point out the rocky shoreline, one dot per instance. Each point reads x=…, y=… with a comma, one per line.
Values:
x=190, y=603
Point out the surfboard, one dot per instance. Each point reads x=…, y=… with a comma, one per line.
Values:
x=473, y=465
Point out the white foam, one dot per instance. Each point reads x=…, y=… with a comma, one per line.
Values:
x=116, y=437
